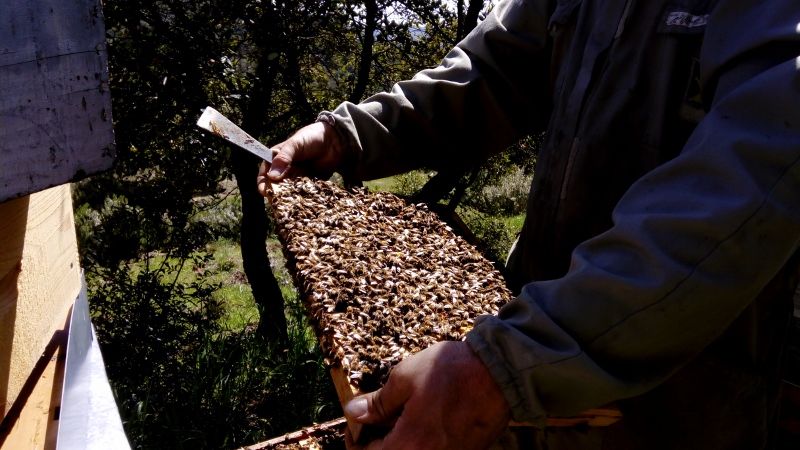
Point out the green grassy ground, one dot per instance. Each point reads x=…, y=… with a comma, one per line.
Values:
x=381, y=184
x=234, y=294
x=514, y=223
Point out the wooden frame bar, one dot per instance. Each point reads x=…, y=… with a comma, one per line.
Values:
x=298, y=437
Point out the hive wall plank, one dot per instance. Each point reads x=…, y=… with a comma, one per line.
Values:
x=56, y=106
x=39, y=281
x=33, y=420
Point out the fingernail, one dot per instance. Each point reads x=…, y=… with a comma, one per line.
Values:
x=274, y=173
x=357, y=408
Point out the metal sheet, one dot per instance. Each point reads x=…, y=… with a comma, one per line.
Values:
x=89, y=417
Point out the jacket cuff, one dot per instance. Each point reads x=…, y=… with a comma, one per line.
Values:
x=525, y=407
x=351, y=150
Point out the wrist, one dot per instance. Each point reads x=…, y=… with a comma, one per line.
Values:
x=341, y=143
x=482, y=379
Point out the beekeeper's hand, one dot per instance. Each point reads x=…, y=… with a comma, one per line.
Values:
x=441, y=398
x=315, y=150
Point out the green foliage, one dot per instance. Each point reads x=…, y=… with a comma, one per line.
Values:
x=507, y=197
x=184, y=381
x=493, y=203
x=220, y=214
x=494, y=233
x=146, y=229
x=409, y=183
x=235, y=389
x=149, y=321
x=519, y=157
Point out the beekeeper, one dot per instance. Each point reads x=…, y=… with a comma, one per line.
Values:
x=658, y=259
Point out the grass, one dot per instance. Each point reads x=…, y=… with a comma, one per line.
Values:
x=514, y=223
x=239, y=307
x=236, y=390
x=226, y=270
x=381, y=184
x=234, y=294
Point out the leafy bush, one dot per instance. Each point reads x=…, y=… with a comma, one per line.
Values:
x=506, y=198
x=493, y=232
x=148, y=320
x=183, y=382
x=407, y=184
x=221, y=214
x=235, y=389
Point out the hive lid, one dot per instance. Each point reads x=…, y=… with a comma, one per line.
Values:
x=55, y=111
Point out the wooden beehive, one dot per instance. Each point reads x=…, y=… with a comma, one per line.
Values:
x=56, y=104
x=383, y=279
x=55, y=127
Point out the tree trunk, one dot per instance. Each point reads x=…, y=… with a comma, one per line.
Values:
x=266, y=292
x=291, y=71
x=471, y=21
x=255, y=222
x=460, y=20
x=366, y=51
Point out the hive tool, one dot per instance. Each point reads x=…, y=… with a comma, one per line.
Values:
x=216, y=123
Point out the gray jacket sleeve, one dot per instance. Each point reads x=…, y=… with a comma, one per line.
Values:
x=488, y=92
x=693, y=242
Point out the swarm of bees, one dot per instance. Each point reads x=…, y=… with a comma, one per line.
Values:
x=382, y=279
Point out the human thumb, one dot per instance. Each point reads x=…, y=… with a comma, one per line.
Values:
x=282, y=161
x=375, y=408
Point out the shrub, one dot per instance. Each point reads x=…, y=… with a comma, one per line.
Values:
x=506, y=198
x=409, y=183
x=148, y=321
x=493, y=232
x=221, y=214
x=236, y=389
x=181, y=381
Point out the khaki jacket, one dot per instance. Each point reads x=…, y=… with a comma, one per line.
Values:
x=656, y=265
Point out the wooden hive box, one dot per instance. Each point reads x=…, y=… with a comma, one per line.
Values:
x=56, y=104
x=55, y=127
x=39, y=281
x=383, y=279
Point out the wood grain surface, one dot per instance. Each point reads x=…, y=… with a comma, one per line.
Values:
x=39, y=281
x=55, y=107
